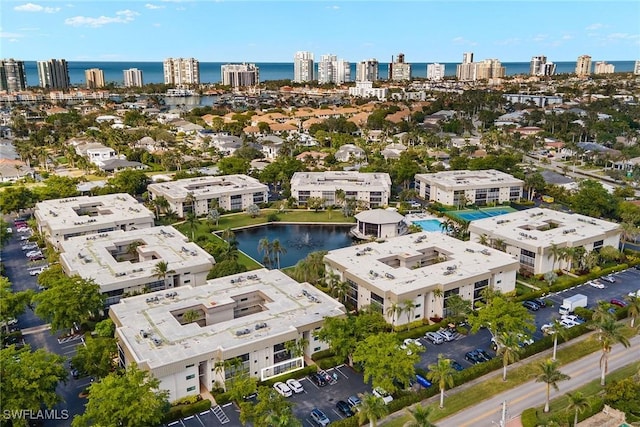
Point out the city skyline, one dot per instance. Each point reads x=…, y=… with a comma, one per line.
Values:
x=155, y=30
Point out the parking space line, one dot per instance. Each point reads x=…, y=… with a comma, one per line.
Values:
x=199, y=420
x=337, y=368
x=337, y=413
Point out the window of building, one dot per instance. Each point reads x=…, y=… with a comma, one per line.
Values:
x=527, y=258
x=377, y=302
x=190, y=377
x=192, y=388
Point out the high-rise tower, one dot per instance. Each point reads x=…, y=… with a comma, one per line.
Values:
x=303, y=67
x=12, y=75
x=54, y=74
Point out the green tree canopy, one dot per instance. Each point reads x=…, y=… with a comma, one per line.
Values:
x=12, y=304
x=233, y=165
x=503, y=316
x=96, y=356
x=594, y=200
x=130, y=399
x=270, y=406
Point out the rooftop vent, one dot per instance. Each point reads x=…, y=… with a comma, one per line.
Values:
x=241, y=332
x=261, y=325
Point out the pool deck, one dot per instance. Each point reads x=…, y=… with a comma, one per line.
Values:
x=421, y=216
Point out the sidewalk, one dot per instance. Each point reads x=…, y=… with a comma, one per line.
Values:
x=435, y=400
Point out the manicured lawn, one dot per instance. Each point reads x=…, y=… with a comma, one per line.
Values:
x=243, y=220
x=486, y=389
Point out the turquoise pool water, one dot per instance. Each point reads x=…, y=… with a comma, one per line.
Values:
x=472, y=214
x=428, y=224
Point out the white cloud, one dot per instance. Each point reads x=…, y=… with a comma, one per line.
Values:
x=13, y=40
x=508, y=42
x=462, y=40
x=334, y=7
x=122, y=17
x=29, y=29
x=594, y=27
x=540, y=37
x=567, y=37
x=157, y=24
x=31, y=7
x=153, y=6
x=5, y=35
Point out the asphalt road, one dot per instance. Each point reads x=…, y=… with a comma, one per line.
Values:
x=532, y=394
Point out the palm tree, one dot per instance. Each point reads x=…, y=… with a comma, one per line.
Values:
x=557, y=329
x=555, y=252
x=278, y=249
x=192, y=221
x=441, y=372
x=409, y=307
x=419, y=416
x=340, y=290
x=372, y=408
x=264, y=245
x=608, y=332
x=214, y=215
x=296, y=347
x=509, y=348
x=483, y=239
x=394, y=309
x=578, y=403
x=161, y=270
x=633, y=308
x=550, y=375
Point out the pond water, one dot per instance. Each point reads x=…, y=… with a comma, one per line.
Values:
x=299, y=240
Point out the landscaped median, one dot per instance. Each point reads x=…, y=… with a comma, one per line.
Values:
x=475, y=392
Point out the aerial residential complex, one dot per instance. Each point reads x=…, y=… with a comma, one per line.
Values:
x=530, y=236
x=61, y=219
x=484, y=70
x=229, y=192
x=583, y=66
x=464, y=187
x=12, y=76
x=181, y=71
x=540, y=66
x=240, y=75
x=371, y=189
x=416, y=268
x=123, y=262
x=249, y=318
x=333, y=70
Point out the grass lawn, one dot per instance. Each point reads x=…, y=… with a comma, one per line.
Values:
x=515, y=376
x=243, y=220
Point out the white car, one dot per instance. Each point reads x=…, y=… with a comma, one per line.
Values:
x=33, y=253
x=37, y=271
x=447, y=335
x=283, y=389
x=596, y=284
x=547, y=328
x=295, y=385
x=23, y=229
x=567, y=323
x=572, y=318
x=608, y=278
x=411, y=342
x=635, y=294
x=382, y=394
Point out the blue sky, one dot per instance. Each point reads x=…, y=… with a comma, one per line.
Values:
x=272, y=31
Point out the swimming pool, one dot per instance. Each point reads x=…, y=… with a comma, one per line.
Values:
x=428, y=224
x=473, y=214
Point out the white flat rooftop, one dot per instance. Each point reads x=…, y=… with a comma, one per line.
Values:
x=285, y=303
x=207, y=186
x=540, y=227
x=373, y=261
x=471, y=178
x=341, y=180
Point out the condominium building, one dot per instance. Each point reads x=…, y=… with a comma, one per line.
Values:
x=365, y=89
x=53, y=74
x=636, y=68
x=540, y=66
x=12, y=76
x=601, y=67
x=489, y=69
x=303, y=67
x=229, y=192
x=61, y=219
x=531, y=236
x=399, y=70
x=367, y=71
x=236, y=323
x=126, y=262
x=463, y=187
x=423, y=268
x=240, y=75
x=333, y=70
x=370, y=189
x=181, y=71
x=133, y=78
x=94, y=78
x=467, y=70
x=583, y=66
x=435, y=71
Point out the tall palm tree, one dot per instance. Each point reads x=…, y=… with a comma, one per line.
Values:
x=557, y=330
x=550, y=375
x=394, y=309
x=192, y=221
x=278, y=249
x=633, y=308
x=578, y=403
x=441, y=372
x=555, y=252
x=296, y=347
x=340, y=290
x=608, y=332
x=264, y=246
x=419, y=416
x=162, y=271
x=372, y=408
x=509, y=348
x=409, y=307
x=601, y=312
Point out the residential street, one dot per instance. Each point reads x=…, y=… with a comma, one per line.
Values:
x=532, y=393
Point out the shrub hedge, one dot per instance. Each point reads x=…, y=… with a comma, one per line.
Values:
x=181, y=411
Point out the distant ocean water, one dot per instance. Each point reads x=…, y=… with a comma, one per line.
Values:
x=210, y=72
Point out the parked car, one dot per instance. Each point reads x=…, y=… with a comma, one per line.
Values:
x=473, y=357
x=23, y=229
x=24, y=237
x=446, y=335
x=283, y=389
x=547, y=328
x=409, y=342
x=344, y=408
x=36, y=257
x=568, y=323
x=618, y=302
x=573, y=318
x=595, y=284
x=634, y=294
x=530, y=305
x=295, y=385
x=318, y=380
x=319, y=417
x=29, y=246
x=608, y=279
x=37, y=271
x=455, y=365
x=34, y=253
x=382, y=394
x=423, y=381
x=483, y=354
x=354, y=401
x=434, y=337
